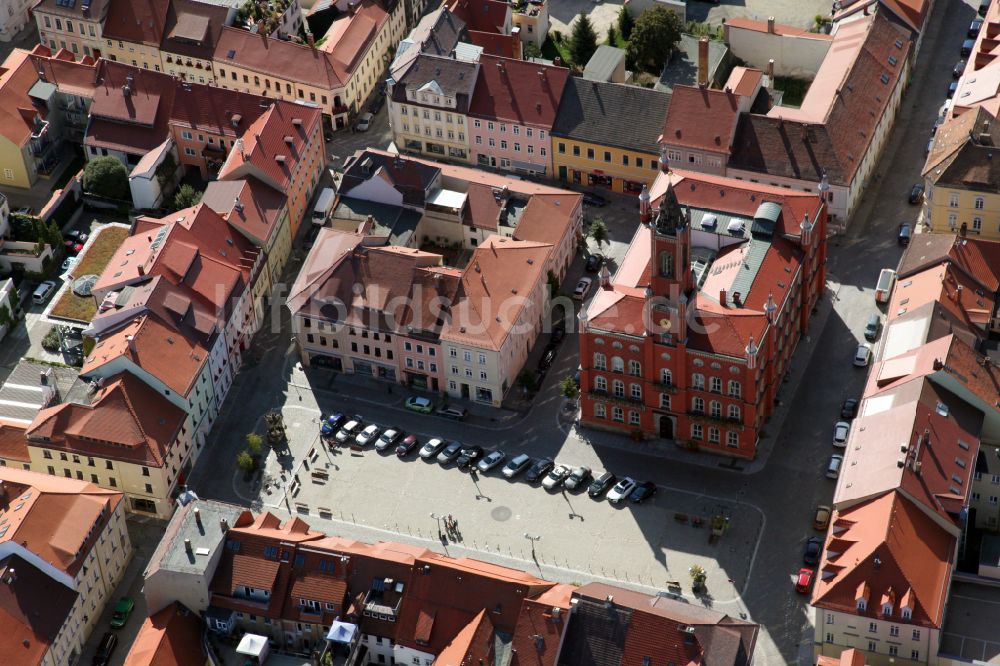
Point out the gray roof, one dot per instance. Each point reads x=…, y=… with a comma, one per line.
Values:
x=599, y=113
x=603, y=63
x=445, y=76
x=171, y=555
x=396, y=223
x=682, y=68
x=23, y=394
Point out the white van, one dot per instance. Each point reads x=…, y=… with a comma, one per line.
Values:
x=43, y=291
x=883, y=290
x=324, y=204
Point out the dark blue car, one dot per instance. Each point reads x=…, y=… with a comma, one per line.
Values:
x=331, y=424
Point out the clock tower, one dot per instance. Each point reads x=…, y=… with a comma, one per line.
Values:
x=670, y=278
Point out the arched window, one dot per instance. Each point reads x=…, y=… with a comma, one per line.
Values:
x=600, y=361
x=735, y=390
x=600, y=384
x=633, y=418
x=715, y=409
x=698, y=405
x=619, y=388
x=666, y=264
x=600, y=411
x=713, y=435
x=698, y=381
x=734, y=412
x=618, y=414
x=617, y=364
x=635, y=390
x=664, y=401
x=666, y=377
x=635, y=368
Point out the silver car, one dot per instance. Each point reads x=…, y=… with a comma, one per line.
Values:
x=491, y=461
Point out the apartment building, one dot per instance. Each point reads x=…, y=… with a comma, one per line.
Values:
x=74, y=25
x=284, y=149
x=690, y=338
x=490, y=25
x=63, y=550
x=588, y=146
x=512, y=111
x=478, y=353
x=429, y=105
x=16, y=19
x=394, y=603
x=917, y=469
x=28, y=149
x=171, y=637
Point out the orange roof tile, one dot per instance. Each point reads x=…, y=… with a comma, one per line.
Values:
x=701, y=118
x=171, y=637
x=242, y=48
x=12, y=444
x=17, y=75
x=472, y=645
x=140, y=22
x=33, y=610
x=523, y=92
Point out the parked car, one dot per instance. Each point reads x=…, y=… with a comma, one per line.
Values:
x=582, y=288
x=984, y=6
x=975, y=27
x=594, y=263
x=453, y=413
x=642, y=492
x=600, y=485
x=331, y=424
x=833, y=467
x=577, y=478
x=952, y=89
x=470, y=454
x=431, y=448
x=516, y=465
x=930, y=146
x=409, y=443
x=68, y=263
x=849, y=409
x=967, y=47
x=621, y=490
x=863, y=356
x=595, y=200
x=364, y=122
x=937, y=123
x=72, y=246
x=491, y=461
x=121, y=612
x=349, y=430
x=555, y=477
x=539, y=469
x=558, y=333
x=450, y=453
x=77, y=235
x=105, y=649
x=367, y=436
x=822, y=518
x=419, y=404
x=376, y=104
x=873, y=326
x=905, y=232
x=804, y=580
x=545, y=362
x=841, y=430
x=916, y=193
x=958, y=69
x=310, y=238
x=388, y=439
x=812, y=549
x=43, y=291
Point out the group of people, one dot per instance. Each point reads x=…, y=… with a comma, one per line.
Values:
x=451, y=526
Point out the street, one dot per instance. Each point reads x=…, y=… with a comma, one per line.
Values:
x=377, y=497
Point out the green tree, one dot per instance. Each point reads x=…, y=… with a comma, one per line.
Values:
x=106, y=177
x=599, y=231
x=530, y=50
x=254, y=443
x=186, y=197
x=612, y=36
x=53, y=236
x=653, y=39
x=625, y=23
x=568, y=387
x=583, y=42
x=245, y=461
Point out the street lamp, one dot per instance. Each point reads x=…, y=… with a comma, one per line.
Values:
x=438, y=519
x=532, y=538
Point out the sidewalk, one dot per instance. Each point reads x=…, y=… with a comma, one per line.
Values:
x=667, y=449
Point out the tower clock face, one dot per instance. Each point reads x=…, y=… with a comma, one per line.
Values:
x=665, y=323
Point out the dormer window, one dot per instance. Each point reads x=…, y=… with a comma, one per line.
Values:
x=887, y=610
x=862, y=605
x=907, y=613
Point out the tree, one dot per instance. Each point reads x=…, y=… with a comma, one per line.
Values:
x=530, y=50
x=186, y=197
x=583, y=42
x=698, y=577
x=625, y=23
x=254, y=443
x=568, y=387
x=245, y=461
x=106, y=177
x=653, y=38
x=612, y=36
x=599, y=231
x=53, y=236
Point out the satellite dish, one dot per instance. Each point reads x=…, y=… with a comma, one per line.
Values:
x=665, y=324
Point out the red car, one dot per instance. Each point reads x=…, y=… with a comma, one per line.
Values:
x=72, y=245
x=804, y=580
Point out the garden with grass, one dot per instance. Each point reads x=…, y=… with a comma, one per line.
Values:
x=102, y=248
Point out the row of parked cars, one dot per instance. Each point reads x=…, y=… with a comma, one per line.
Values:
x=546, y=471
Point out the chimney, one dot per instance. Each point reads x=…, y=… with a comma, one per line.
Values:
x=770, y=22
x=770, y=72
x=737, y=299
x=197, y=518
x=311, y=40
x=238, y=205
x=224, y=525
x=263, y=32
x=557, y=61
x=984, y=136
x=141, y=270
x=187, y=546
x=722, y=297
x=703, y=61
x=131, y=343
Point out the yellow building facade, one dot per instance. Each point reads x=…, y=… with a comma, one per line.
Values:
x=596, y=165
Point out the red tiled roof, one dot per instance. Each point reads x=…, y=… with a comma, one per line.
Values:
x=482, y=15
x=33, y=609
x=779, y=28
x=242, y=48
x=259, y=210
x=138, y=22
x=521, y=92
x=127, y=420
x=701, y=118
x=16, y=77
x=547, y=218
x=12, y=444
x=539, y=629
x=472, y=645
x=171, y=637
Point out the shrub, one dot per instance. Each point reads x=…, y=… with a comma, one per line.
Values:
x=106, y=177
